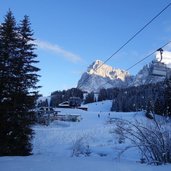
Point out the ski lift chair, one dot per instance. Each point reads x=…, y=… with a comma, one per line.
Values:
x=158, y=67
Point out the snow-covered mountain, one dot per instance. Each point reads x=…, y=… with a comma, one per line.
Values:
x=100, y=75
x=145, y=76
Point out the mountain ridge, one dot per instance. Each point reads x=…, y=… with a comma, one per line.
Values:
x=100, y=75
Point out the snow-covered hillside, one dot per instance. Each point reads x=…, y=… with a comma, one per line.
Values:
x=53, y=144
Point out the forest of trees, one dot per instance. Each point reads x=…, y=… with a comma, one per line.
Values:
x=18, y=85
x=155, y=98
x=58, y=97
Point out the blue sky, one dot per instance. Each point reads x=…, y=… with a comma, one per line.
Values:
x=71, y=34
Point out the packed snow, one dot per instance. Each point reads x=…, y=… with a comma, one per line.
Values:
x=53, y=145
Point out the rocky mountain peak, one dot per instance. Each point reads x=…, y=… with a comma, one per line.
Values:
x=100, y=75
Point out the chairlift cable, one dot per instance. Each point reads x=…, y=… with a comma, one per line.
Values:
x=129, y=40
x=138, y=32
x=146, y=57
x=142, y=59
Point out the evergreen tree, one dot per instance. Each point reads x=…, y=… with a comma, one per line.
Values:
x=8, y=51
x=18, y=76
x=89, y=98
x=27, y=56
x=102, y=95
x=167, y=97
x=158, y=106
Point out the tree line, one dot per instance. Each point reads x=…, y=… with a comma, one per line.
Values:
x=154, y=98
x=58, y=97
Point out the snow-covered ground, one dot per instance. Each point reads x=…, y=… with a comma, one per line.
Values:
x=52, y=145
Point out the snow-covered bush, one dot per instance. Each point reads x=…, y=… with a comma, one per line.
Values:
x=149, y=115
x=153, y=140
x=120, y=135
x=81, y=147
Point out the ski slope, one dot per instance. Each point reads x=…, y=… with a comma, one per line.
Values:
x=53, y=144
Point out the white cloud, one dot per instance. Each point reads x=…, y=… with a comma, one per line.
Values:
x=166, y=57
x=58, y=50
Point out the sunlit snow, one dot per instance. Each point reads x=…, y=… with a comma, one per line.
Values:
x=52, y=145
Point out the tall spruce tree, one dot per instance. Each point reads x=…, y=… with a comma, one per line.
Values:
x=8, y=51
x=18, y=76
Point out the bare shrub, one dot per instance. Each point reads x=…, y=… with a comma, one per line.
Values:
x=153, y=140
x=81, y=147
